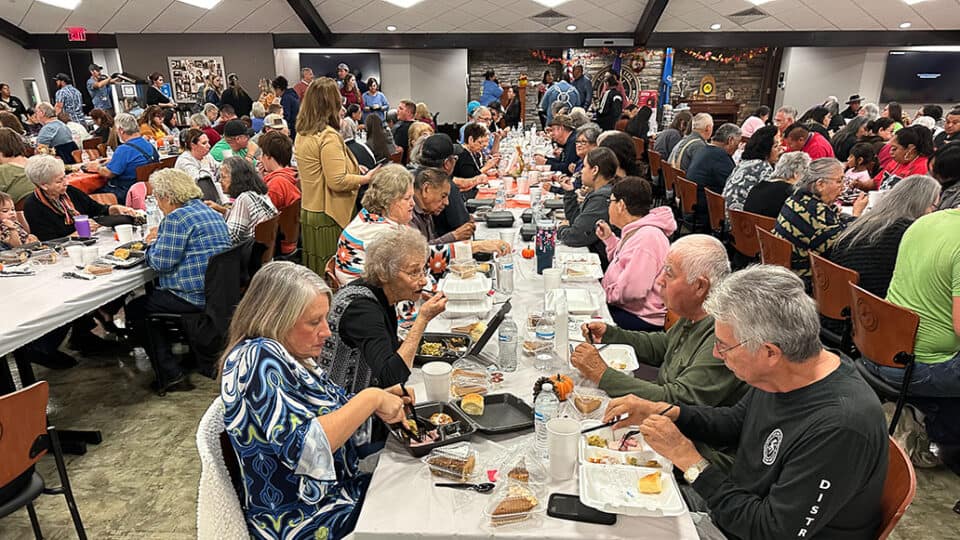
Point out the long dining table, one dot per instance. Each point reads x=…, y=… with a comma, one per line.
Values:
x=402, y=502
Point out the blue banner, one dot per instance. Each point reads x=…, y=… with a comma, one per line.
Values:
x=666, y=84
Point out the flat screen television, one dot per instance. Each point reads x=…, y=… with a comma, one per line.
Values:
x=922, y=77
x=325, y=64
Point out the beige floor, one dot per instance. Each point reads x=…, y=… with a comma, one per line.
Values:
x=141, y=482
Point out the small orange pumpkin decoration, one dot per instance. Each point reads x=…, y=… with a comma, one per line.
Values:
x=527, y=253
x=562, y=386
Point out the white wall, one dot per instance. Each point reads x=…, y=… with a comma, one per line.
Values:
x=16, y=64
x=437, y=77
x=813, y=73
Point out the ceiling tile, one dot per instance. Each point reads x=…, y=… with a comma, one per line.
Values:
x=44, y=18
x=293, y=25
x=93, y=15
x=135, y=15
x=267, y=16
x=14, y=10
x=175, y=19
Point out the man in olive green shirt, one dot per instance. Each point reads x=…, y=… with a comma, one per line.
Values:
x=688, y=372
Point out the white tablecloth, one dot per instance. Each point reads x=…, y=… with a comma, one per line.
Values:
x=35, y=305
x=402, y=502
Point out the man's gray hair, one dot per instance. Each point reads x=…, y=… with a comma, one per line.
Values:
x=210, y=107
x=871, y=111
x=702, y=255
x=788, y=111
x=387, y=255
x=589, y=131
x=579, y=117
x=126, y=124
x=726, y=132
x=792, y=165
x=768, y=304
x=47, y=109
x=818, y=170
x=701, y=121
x=42, y=169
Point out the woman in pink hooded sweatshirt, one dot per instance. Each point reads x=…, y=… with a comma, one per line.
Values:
x=637, y=257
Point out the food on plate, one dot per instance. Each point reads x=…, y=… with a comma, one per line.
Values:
x=534, y=319
x=464, y=270
x=586, y=404
x=47, y=256
x=440, y=419
x=452, y=467
x=465, y=382
x=136, y=246
x=519, y=500
x=604, y=460
x=617, y=364
x=650, y=484
x=475, y=330
x=428, y=348
x=520, y=472
x=429, y=437
x=97, y=269
x=412, y=426
x=472, y=404
x=627, y=444
x=14, y=256
x=651, y=463
x=596, y=440
x=483, y=267
x=121, y=253
x=496, y=377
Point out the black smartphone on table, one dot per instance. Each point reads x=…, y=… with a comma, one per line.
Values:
x=564, y=506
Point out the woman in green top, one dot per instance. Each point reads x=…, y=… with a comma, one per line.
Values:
x=13, y=181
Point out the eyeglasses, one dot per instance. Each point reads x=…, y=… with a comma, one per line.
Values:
x=581, y=142
x=722, y=353
x=416, y=276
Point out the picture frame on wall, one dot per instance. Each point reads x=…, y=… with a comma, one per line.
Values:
x=188, y=74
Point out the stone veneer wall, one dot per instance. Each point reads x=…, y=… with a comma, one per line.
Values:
x=744, y=77
x=509, y=64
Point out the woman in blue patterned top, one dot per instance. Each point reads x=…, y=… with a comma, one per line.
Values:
x=294, y=431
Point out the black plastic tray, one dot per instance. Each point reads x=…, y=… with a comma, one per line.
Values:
x=499, y=219
x=424, y=411
x=553, y=204
x=502, y=413
x=528, y=231
x=419, y=359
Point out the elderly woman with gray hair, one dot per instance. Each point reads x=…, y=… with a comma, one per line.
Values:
x=870, y=244
x=300, y=466
x=364, y=350
x=767, y=197
x=54, y=204
x=178, y=251
x=809, y=219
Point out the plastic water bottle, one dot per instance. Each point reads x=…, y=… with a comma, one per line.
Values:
x=561, y=325
x=544, y=409
x=505, y=273
x=154, y=215
x=546, y=358
x=109, y=153
x=508, y=344
x=500, y=202
x=84, y=156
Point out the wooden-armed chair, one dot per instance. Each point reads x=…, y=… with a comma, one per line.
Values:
x=885, y=334
x=773, y=249
x=898, y=489
x=716, y=206
x=743, y=231
x=687, y=191
x=831, y=290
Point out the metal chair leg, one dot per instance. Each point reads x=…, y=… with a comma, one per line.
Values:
x=65, y=484
x=34, y=523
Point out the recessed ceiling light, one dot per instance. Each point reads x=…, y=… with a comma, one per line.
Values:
x=571, y=27
x=404, y=3
x=391, y=28
x=715, y=26
x=205, y=4
x=912, y=2
x=550, y=3
x=905, y=25
x=65, y=4
x=759, y=2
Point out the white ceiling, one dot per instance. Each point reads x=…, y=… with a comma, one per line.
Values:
x=471, y=16
x=811, y=15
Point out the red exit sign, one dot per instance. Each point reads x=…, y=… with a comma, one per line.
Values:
x=76, y=33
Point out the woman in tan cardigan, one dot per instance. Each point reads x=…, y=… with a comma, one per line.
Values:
x=329, y=173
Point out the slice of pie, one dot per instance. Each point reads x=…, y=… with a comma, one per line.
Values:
x=650, y=484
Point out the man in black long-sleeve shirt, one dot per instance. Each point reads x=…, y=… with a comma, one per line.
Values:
x=562, y=133
x=812, y=454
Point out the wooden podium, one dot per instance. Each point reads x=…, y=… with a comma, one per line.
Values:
x=721, y=110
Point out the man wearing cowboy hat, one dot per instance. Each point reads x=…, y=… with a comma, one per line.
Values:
x=853, y=105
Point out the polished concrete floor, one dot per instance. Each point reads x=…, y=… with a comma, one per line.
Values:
x=141, y=482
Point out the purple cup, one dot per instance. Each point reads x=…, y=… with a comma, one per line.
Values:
x=82, y=224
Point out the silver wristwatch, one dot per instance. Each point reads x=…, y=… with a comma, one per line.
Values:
x=694, y=471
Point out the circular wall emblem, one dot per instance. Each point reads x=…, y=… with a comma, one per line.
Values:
x=772, y=446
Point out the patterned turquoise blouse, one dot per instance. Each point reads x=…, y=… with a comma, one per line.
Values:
x=295, y=485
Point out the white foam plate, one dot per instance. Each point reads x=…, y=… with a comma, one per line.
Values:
x=620, y=357
x=579, y=302
x=475, y=288
x=468, y=308
x=613, y=489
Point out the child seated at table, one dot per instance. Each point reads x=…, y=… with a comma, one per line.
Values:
x=12, y=232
